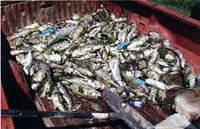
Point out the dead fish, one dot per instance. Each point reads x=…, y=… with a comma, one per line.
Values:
x=84, y=72
x=22, y=33
x=20, y=58
x=76, y=32
x=42, y=65
x=95, y=106
x=46, y=89
x=104, y=54
x=85, y=50
x=189, y=76
x=17, y=52
x=28, y=61
x=39, y=47
x=155, y=36
x=116, y=74
x=84, y=91
x=179, y=54
x=54, y=57
x=35, y=86
x=156, y=84
x=39, y=76
x=83, y=81
x=104, y=76
x=153, y=94
x=32, y=26
x=60, y=34
x=65, y=95
x=137, y=42
x=57, y=100
x=162, y=94
x=87, y=56
x=151, y=74
x=76, y=107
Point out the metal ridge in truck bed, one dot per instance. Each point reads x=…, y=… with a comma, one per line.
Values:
x=171, y=13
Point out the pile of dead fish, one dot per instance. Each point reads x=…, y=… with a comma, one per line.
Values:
x=83, y=55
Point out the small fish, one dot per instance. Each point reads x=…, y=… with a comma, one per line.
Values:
x=180, y=56
x=22, y=33
x=151, y=74
x=84, y=81
x=28, y=61
x=137, y=42
x=85, y=50
x=84, y=91
x=153, y=94
x=17, y=52
x=20, y=58
x=35, y=86
x=116, y=74
x=162, y=94
x=104, y=76
x=94, y=31
x=39, y=47
x=65, y=95
x=60, y=34
x=32, y=26
x=155, y=36
x=76, y=32
x=104, y=54
x=84, y=72
x=54, y=57
x=189, y=76
x=57, y=100
x=42, y=66
x=76, y=107
x=95, y=106
x=87, y=56
x=39, y=76
x=46, y=89
x=156, y=84
x=133, y=33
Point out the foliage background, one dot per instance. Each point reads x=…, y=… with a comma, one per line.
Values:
x=183, y=7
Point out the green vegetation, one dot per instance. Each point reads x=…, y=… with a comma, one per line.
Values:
x=183, y=7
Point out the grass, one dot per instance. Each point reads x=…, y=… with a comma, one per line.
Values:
x=183, y=7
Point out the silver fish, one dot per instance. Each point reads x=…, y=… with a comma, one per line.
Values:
x=46, y=89
x=137, y=42
x=28, y=61
x=60, y=34
x=17, y=52
x=156, y=84
x=57, y=100
x=84, y=81
x=84, y=91
x=95, y=106
x=189, y=76
x=65, y=95
x=179, y=54
x=116, y=74
x=76, y=107
x=85, y=49
x=21, y=33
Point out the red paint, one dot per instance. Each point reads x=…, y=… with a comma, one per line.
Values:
x=21, y=80
x=6, y=122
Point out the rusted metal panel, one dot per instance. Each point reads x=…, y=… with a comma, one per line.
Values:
x=20, y=78
x=6, y=123
x=171, y=13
